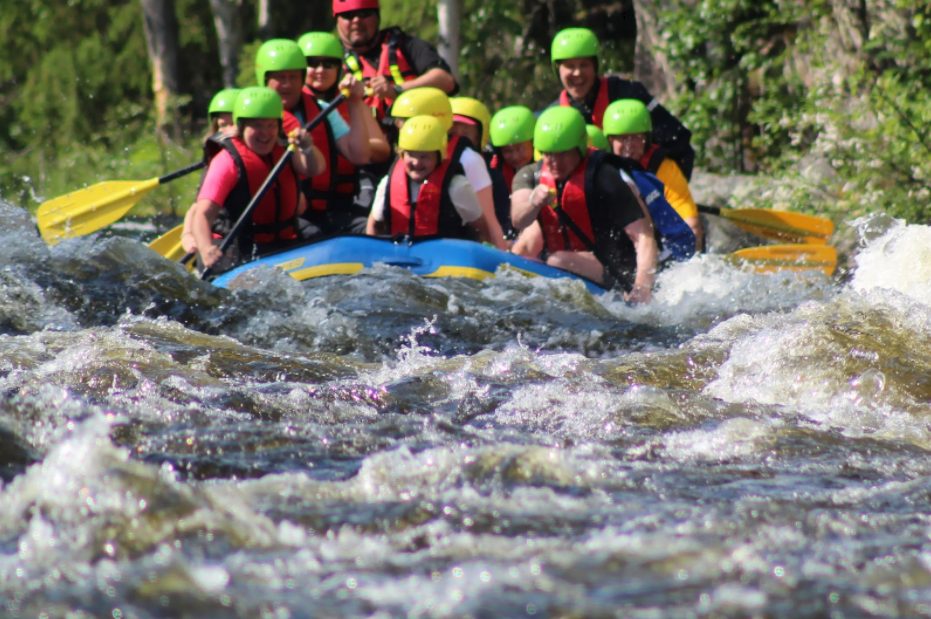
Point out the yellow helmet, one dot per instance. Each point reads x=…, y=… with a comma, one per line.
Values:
x=475, y=110
x=423, y=133
x=424, y=101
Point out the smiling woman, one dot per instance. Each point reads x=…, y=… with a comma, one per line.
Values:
x=236, y=174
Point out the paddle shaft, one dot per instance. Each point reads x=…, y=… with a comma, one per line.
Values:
x=182, y=172
x=710, y=210
x=246, y=215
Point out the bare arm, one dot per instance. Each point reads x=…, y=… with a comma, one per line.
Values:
x=373, y=227
x=375, y=223
x=640, y=233
x=485, y=230
x=695, y=224
x=188, y=242
x=383, y=86
x=435, y=77
x=526, y=205
x=378, y=144
x=354, y=146
x=307, y=160
x=529, y=242
x=198, y=222
x=487, y=202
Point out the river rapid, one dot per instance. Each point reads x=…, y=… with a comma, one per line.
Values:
x=388, y=446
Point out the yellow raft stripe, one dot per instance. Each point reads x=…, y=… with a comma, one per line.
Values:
x=290, y=265
x=476, y=273
x=323, y=270
x=351, y=268
x=468, y=272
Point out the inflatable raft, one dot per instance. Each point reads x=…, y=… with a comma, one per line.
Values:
x=347, y=255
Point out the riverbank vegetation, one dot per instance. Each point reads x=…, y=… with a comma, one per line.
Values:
x=828, y=102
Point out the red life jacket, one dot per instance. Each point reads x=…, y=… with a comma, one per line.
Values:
x=601, y=102
x=391, y=63
x=653, y=158
x=274, y=218
x=433, y=214
x=498, y=163
x=338, y=181
x=557, y=235
x=454, y=147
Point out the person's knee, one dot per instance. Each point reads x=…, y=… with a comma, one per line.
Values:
x=585, y=265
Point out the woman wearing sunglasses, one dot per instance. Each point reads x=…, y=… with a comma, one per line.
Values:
x=280, y=64
x=332, y=204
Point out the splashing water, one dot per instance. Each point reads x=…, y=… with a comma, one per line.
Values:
x=384, y=445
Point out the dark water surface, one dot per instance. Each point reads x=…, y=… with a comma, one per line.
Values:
x=389, y=446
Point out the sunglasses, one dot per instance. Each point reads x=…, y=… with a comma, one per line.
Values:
x=326, y=63
x=361, y=14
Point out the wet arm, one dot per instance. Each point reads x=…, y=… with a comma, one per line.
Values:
x=640, y=233
x=202, y=215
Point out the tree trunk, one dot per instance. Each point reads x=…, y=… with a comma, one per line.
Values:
x=263, y=16
x=650, y=65
x=228, y=25
x=161, y=37
x=449, y=15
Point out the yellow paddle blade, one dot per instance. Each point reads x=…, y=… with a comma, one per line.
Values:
x=783, y=225
x=795, y=257
x=90, y=209
x=169, y=246
x=780, y=235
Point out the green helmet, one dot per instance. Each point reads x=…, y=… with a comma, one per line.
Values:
x=257, y=102
x=320, y=45
x=223, y=101
x=626, y=116
x=560, y=128
x=278, y=55
x=596, y=138
x=574, y=43
x=512, y=125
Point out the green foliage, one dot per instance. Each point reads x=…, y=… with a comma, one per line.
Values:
x=731, y=55
x=414, y=17
x=63, y=78
x=505, y=60
x=767, y=85
x=772, y=86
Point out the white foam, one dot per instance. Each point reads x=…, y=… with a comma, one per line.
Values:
x=733, y=438
x=708, y=286
x=899, y=260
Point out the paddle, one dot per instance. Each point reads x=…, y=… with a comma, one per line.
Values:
x=779, y=225
x=794, y=257
x=168, y=245
x=92, y=208
x=246, y=215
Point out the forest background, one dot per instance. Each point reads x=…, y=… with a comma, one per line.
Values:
x=826, y=102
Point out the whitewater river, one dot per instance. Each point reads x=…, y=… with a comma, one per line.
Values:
x=387, y=446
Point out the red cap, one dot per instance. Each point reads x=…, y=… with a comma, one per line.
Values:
x=342, y=6
x=466, y=120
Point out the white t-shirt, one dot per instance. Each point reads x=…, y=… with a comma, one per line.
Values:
x=475, y=169
x=461, y=194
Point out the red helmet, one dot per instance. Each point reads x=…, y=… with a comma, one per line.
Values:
x=342, y=6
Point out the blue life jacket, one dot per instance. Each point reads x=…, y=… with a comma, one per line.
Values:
x=678, y=240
